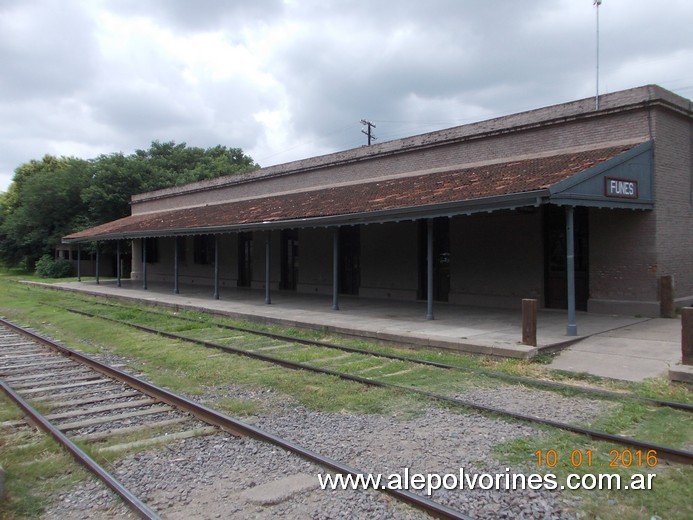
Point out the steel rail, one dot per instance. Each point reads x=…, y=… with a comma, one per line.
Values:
x=134, y=503
x=552, y=385
x=238, y=427
x=665, y=452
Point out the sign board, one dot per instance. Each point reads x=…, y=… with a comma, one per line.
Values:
x=620, y=188
x=623, y=181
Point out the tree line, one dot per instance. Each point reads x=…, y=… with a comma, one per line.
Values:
x=55, y=196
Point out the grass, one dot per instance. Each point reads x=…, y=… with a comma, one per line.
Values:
x=193, y=370
x=236, y=407
x=35, y=467
x=181, y=366
x=668, y=498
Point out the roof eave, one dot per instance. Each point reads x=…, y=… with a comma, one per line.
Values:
x=597, y=202
x=435, y=210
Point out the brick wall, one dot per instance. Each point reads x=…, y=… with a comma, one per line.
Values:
x=315, y=253
x=389, y=261
x=674, y=200
x=497, y=259
x=623, y=261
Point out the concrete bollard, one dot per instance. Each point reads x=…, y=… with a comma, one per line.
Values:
x=529, y=322
x=687, y=336
x=666, y=296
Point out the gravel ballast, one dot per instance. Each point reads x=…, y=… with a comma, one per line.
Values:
x=214, y=476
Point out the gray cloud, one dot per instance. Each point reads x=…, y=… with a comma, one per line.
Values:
x=46, y=49
x=202, y=14
x=290, y=79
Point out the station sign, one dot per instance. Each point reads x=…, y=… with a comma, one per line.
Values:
x=620, y=188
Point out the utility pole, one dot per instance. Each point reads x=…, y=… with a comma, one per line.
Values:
x=368, y=132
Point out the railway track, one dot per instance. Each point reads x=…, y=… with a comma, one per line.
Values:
x=513, y=379
x=96, y=404
x=264, y=348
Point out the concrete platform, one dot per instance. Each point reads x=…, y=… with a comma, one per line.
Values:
x=633, y=353
x=621, y=347
x=682, y=374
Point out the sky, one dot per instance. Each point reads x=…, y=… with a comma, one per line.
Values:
x=290, y=79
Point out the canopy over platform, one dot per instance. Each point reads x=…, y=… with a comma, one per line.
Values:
x=615, y=176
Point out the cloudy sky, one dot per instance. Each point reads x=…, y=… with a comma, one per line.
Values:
x=288, y=79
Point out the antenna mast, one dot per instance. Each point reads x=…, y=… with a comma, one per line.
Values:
x=368, y=132
x=597, y=3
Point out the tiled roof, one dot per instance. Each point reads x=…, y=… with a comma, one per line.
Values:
x=411, y=191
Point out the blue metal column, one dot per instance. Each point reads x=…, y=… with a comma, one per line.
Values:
x=216, y=267
x=429, y=266
x=175, y=265
x=267, y=268
x=118, y=262
x=79, y=262
x=97, y=263
x=335, y=269
x=144, y=264
x=571, y=329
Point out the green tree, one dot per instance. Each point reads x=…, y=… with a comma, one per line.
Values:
x=54, y=197
x=43, y=204
x=4, y=211
x=117, y=177
x=114, y=179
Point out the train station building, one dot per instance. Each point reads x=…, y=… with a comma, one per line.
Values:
x=577, y=206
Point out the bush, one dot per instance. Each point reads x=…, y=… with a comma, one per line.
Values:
x=46, y=267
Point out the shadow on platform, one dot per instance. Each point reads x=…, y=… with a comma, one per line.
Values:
x=496, y=332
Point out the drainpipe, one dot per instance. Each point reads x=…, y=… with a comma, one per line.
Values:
x=571, y=329
x=144, y=264
x=97, y=263
x=118, y=262
x=335, y=269
x=175, y=265
x=216, y=267
x=267, y=268
x=79, y=262
x=429, y=274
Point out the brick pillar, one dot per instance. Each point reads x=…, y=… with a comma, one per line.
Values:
x=687, y=336
x=136, y=266
x=666, y=296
